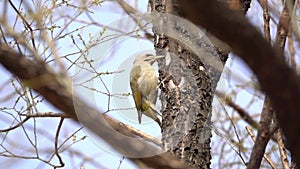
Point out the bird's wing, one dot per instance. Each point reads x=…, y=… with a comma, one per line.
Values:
x=148, y=82
x=136, y=93
x=153, y=96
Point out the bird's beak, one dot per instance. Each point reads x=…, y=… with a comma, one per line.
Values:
x=158, y=57
x=152, y=59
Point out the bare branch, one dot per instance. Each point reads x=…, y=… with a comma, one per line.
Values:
x=245, y=115
x=264, y=134
x=254, y=140
x=55, y=89
x=282, y=149
x=248, y=43
x=62, y=164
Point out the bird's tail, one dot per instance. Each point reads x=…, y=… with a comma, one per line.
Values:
x=139, y=117
x=150, y=111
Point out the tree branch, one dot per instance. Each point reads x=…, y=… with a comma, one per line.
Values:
x=57, y=90
x=265, y=61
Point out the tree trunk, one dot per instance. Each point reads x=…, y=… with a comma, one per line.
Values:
x=187, y=85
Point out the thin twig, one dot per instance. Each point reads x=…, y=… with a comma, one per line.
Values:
x=62, y=164
x=265, y=156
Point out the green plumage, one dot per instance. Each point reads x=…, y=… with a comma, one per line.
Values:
x=143, y=83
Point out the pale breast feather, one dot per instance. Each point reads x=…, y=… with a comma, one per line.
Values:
x=147, y=82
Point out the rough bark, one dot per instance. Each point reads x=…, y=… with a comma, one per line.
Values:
x=266, y=61
x=188, y=86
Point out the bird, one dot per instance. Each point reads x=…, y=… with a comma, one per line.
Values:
x=144, y=85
